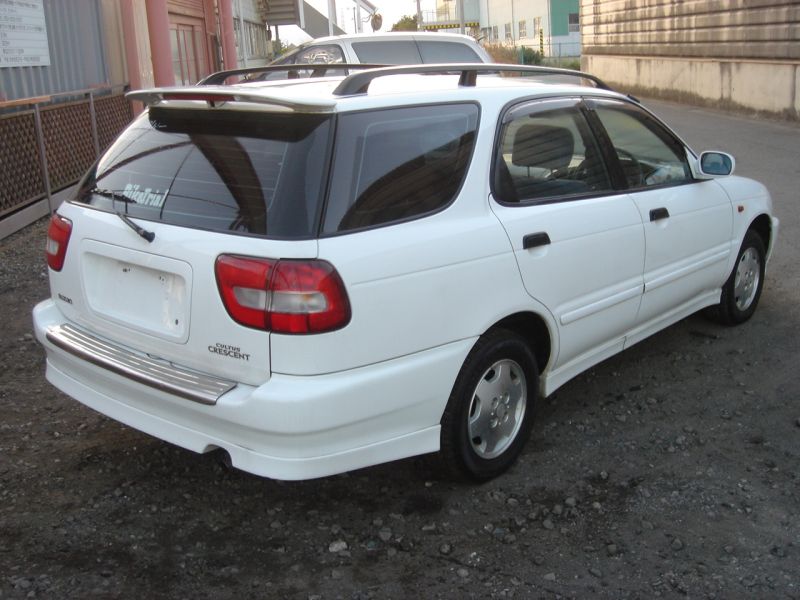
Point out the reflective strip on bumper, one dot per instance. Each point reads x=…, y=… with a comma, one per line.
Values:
x=160, y=375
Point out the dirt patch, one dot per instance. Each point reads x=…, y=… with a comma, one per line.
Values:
x=670, y=470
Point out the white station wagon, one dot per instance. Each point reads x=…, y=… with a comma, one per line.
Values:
x=390, y=47
x=324, y=274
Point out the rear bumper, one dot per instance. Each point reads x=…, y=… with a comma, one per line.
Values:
x=288, y=428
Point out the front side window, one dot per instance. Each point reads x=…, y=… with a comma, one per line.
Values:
x=315, y=55
x=323, y=54
x=398, y=164
x=648, y=154
x=223, y=170
x=548, y=153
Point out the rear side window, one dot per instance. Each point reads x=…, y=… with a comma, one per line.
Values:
x=447, y=52
x=221, y=170
x=398, y=164
x=388, y=53
x=548, y=153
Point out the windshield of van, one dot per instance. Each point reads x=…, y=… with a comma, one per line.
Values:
x=231, y=171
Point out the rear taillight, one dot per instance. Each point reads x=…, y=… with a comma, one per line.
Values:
x=283, y=296
x=57, y=240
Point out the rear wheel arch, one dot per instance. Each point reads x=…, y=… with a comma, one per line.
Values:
x=533, y=328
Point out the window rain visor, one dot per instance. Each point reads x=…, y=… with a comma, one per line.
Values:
x=230, y=171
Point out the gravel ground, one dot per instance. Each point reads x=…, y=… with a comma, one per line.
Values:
x=670, y=470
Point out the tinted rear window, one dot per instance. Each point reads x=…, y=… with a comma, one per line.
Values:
x=398, y=164
x=228, y=171
x=447, y=52
x=388, y=53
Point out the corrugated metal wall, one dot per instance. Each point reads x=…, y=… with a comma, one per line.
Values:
x=724, y=29
x=76, y=54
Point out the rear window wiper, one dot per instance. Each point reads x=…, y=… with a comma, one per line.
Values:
x=113, y=194
x=148, y=235
x=122, y=197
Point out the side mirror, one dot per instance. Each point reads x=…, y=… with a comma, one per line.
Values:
x=716, y=164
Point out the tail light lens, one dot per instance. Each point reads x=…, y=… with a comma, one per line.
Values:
x=57, y=239
x=283, y=296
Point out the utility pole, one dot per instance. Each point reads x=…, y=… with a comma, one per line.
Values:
x=331, y=15
x=461, y=16
x=549, y=31
x=512, y=22
x=419, y=15
x=242, y=45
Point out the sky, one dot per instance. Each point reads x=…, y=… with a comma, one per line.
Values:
x=390, y=10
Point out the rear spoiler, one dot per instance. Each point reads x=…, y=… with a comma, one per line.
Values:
x=222, y=94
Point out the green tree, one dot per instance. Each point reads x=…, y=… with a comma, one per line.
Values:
x=407, y=23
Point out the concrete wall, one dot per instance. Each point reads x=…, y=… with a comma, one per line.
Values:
x=737, y=54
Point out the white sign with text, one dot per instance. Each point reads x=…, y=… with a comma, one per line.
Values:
x=23, y=34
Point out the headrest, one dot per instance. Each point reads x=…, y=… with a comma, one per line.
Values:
x=543, y=146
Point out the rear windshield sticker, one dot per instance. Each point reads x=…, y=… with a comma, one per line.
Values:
x=147, y=196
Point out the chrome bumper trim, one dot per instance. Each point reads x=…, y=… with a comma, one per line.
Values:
x=156, y=374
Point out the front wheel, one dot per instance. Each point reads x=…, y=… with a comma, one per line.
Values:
x=490, y=410
x=741, y=292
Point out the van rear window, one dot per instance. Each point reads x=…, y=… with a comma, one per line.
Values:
x=229, y=171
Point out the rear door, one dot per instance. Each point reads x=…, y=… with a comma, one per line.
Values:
x=199, y=183
x=578, y=243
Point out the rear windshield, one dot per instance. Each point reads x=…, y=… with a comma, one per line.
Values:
x=229, y=171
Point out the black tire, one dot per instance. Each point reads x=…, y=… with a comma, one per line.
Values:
x=514, y=383
x=740, y=297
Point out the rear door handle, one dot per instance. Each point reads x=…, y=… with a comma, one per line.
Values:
x=532, y=240
x=659, y=213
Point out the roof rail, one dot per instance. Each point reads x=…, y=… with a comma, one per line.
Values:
x=317, y=70
x=358, y=83
x=221, y=94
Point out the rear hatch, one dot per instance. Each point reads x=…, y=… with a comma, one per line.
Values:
x=180, y=187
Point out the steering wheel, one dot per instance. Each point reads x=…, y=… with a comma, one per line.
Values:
x=634, y=170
